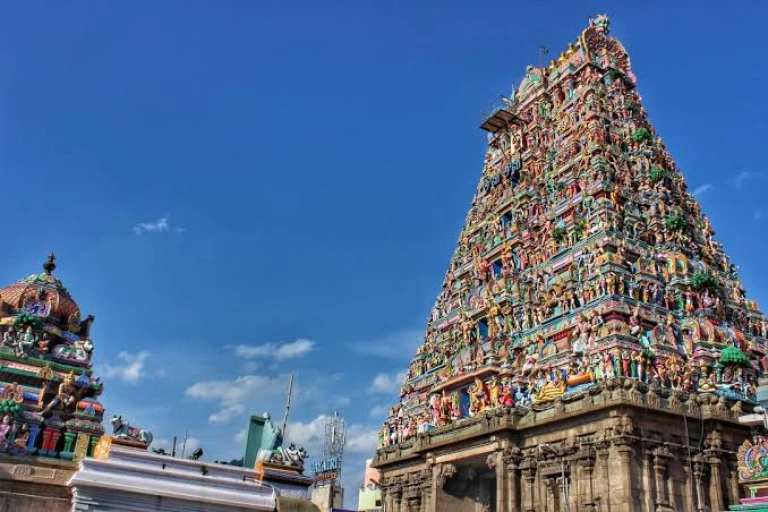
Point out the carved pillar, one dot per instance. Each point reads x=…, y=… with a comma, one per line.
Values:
x=81, y=446
x=716, y=498
x=94, y=442
x=495, y=462
x=34, y=431
x=649, y=481
x=416, y=493
x=397, y=496
x=440, y=475
x=586, y=492
x=734, y=493
x=698, y=483
x=690, y=493
x=603, y=484
x=53, y=452
x=69, y=442
x=529, y=480
x=46, y=441
x=661, y=458
x=426, y=496
x=51, y=437
x=624, y=449
x=386, y=498
x=412, y=498
x=512, y=458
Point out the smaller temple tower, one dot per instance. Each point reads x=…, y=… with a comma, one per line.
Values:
x=50, y=415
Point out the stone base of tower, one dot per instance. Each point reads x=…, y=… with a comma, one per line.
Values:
x=32, y=485
x=621, y=447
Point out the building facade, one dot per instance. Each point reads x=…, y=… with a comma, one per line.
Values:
x=592, y=346
x=370, y=499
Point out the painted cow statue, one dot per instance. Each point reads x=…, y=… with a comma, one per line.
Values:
x=290, y=456
x=122, y=430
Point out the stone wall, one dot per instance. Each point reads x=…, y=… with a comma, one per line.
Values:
x=614, y=453
x=34, y=485
x=25, y=497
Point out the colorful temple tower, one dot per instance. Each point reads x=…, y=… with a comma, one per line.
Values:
x=50, y=415
x=592, y=346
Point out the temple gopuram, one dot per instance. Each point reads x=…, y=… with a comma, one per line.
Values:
x=50, y=416
x=592, y=346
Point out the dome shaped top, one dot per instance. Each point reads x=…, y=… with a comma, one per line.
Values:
x=43, y=295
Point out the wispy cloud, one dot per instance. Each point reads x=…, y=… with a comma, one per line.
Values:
x=231, y=396
x=387, y=383
x=240, y=436
x=399, y=344
x=129, y=367
x=742, y=177
x=226, y=414
x=361, y=439
x=703, y=188
x=278, y=351
x=379, y=411
x=161, y=225
x=341, y=401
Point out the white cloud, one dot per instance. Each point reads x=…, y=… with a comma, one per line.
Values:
x=703, y=188
x=742, y=177
x=233, y=392
x=310, y=434
x=161, y=225
x=129, y=368
x=226, y=414
x=240, y=436
x=395, y=345
x=231, y=396
x=362, y=439
x=387, y=383
x=251, y=366
x=380, y=411
x=276, y=351
x=341, y=401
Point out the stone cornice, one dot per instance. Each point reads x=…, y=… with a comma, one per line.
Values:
x=622, y=394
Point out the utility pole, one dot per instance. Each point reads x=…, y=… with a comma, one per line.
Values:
x=287, y=407
x=184, y=444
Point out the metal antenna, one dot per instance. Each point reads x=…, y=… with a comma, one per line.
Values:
x=184, y=444
x=335, y=439
x=287, y=407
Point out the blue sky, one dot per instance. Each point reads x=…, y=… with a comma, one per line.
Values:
x=240, y=190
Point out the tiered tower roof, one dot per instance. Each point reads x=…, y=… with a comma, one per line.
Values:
x=47, y=294
x=584, y=260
